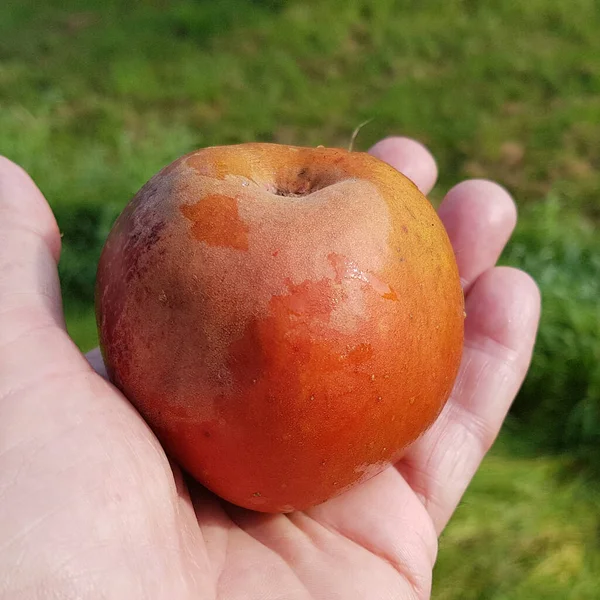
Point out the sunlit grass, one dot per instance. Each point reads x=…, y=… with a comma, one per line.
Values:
x=525, y=530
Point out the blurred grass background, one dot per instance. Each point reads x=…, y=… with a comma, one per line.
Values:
x=95, y=97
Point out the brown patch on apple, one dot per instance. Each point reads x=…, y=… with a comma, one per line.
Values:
x=143, y=239
x=216, y=221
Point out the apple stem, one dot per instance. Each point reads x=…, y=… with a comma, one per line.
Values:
x=355, y=133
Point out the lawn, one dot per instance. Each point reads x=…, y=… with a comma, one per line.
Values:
x=525, y=530
x=96, y=96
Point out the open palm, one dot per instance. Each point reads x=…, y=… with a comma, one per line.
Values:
x=90, y=506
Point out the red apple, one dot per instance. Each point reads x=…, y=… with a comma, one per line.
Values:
x=287, y=320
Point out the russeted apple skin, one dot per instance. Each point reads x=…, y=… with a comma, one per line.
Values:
x=287, y=320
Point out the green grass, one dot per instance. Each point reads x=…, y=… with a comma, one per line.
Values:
x=558, y=408
x=525, y=530
x=96, y=96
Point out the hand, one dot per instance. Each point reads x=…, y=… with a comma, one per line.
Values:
x=90, y=506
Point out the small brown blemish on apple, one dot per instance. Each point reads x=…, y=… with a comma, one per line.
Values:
x=154, y=234
x=391, y=295
x=144, y=236
x=216, y=221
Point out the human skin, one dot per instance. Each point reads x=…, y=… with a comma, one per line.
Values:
x=90, y=506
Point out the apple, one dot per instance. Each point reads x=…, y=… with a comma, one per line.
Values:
x=287, y=320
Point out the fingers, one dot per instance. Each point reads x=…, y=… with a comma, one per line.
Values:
x=479, y=217
x=410, y=158
x=33, y=341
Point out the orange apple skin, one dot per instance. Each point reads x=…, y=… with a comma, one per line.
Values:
x=287, y=320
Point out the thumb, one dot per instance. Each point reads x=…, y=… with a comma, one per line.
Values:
x=34, y=344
